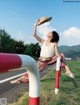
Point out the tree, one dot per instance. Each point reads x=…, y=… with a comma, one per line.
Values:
x=10, y=45
x=7, y=44
x=20, y=47
x=32, y=49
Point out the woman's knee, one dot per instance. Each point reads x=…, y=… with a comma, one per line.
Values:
x=62, y=55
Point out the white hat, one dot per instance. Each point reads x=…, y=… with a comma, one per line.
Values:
x=44, y=19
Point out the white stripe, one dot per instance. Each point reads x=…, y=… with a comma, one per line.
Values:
x=34, y=77
x=58, y=64
x=7, y=79
x=56, y=90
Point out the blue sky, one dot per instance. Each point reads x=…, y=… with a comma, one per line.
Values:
x=17, y=17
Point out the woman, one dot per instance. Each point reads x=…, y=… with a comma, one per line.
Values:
x=48, y=49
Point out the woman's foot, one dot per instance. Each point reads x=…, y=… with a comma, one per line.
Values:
x=15, y=82
x=68, y=73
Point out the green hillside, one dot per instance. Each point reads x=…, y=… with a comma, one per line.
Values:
x=70, y=51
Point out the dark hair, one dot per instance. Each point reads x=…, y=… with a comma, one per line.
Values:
x=55, y=37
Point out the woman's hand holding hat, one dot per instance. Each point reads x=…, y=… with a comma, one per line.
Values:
x=37, y=21
x=42, y=20
x=35, y=26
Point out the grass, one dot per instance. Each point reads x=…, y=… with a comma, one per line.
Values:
x=69, y=89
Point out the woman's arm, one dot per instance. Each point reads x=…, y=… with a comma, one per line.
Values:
x=35, y=35
x=56, y=50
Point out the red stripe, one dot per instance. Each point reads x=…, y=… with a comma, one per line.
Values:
x=57, y=79
x=9, y=61
x=26, y=74
x=34, y=101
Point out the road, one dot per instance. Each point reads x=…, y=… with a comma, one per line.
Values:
x=5, y=80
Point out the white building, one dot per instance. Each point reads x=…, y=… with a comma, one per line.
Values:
x=69, y=59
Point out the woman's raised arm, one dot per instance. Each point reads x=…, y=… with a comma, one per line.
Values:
x=34, y=33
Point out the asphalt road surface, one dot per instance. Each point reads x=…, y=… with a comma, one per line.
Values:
x=5, y=79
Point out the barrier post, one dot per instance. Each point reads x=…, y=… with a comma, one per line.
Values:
x=57, y=75
x=13, y=61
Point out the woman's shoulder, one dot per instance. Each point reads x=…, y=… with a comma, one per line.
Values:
x=55, y=44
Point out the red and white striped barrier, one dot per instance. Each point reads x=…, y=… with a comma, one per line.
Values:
x=57, y=75
x=13, y=61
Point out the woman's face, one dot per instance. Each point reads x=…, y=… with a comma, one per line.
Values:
x=50, y=35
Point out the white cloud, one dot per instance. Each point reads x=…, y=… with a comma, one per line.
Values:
x=70, y=36
x=25, y=38
x=20, y=36
x=44, y=29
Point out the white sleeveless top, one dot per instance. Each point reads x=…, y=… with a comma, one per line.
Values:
x=47, y=51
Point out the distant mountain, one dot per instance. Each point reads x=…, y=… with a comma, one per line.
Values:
x=70, y=51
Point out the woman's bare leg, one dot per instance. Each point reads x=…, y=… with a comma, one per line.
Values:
x=21, y=79
x=68, y=71
x=16, y=81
